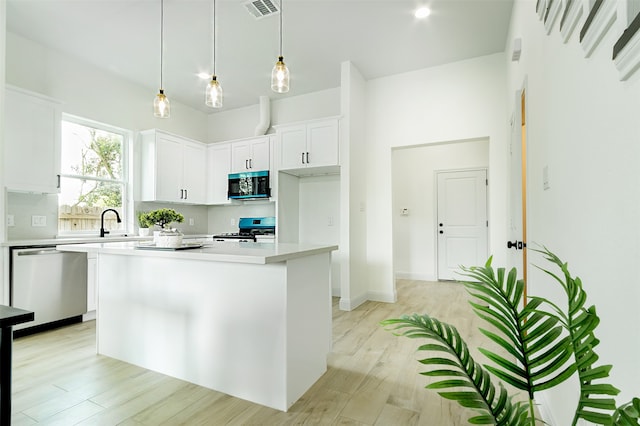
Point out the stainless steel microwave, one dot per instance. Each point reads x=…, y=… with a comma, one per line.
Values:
x=249, y=185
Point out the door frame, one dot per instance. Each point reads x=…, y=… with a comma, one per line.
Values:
x=435, y=212
x=521, y=96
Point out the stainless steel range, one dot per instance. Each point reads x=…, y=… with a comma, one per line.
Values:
x=252, y=229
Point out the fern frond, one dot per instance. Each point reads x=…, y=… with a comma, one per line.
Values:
x=533, y=337
x=594, y=404
x=628, y=414
x=459, y=377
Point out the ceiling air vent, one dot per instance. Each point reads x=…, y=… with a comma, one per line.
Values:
x=261, y=8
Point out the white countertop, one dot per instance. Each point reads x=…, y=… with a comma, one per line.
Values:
x=85, y=239
x=236, y=252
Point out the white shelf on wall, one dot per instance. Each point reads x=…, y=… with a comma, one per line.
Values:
x=570, y=17
x=626, y=51
x=551, y=14
x=603, y=19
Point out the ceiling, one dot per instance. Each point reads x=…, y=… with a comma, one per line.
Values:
x=380, y=37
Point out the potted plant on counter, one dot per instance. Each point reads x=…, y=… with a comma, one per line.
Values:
x=144, y=223
x=167, y=236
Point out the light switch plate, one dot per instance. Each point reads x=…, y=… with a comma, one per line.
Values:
x=38, y=220
x=11, y=220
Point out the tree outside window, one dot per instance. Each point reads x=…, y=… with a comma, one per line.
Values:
x=92, y=178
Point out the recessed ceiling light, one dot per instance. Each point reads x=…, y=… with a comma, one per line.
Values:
x=422, y=12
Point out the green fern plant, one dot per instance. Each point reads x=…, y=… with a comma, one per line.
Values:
x=545, y=345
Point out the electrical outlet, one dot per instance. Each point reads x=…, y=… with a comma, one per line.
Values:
x=233, y=222
x=38, y=220
x=330, y=220
x=10, y=220
x=191, y=221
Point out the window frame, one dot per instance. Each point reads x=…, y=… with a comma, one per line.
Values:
x=127, y=157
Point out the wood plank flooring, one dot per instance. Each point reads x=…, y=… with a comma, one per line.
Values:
x=372, y=379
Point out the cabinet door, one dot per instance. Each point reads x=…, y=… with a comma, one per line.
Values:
x=218, y=169
x=194, y=178
x=292, y=147
x=260, y=154
x=240, y=155
x=169, y=169
x=322, y=143
x=32, y=143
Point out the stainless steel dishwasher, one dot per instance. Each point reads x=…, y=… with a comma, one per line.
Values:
x=51, y=283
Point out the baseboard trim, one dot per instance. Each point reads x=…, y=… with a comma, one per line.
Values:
x=351, y=304
x=415, y=277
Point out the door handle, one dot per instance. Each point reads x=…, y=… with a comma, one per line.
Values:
x=518, y=245
x=302, y=158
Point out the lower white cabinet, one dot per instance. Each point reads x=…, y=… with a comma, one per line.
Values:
x=218, y=169
x=173, y=168
x=92, y=271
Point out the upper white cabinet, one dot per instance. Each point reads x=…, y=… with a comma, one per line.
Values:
x=32, y=142
x=250, y=155
x=218, y=169
x=173, y=168
x=305, y=145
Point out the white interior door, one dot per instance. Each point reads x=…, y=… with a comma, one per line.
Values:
x=462, y=221
x=517, y=189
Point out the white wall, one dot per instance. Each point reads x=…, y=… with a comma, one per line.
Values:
x=458, y=101
x=353, y=188
x=89, y=92
x=414, y=187
x=225, y=218
x=241, y=123
x=582, y=123
x=4, y=258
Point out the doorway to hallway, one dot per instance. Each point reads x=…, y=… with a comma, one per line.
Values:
x=414, y=200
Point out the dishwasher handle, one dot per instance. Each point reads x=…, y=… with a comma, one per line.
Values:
x=37, y=252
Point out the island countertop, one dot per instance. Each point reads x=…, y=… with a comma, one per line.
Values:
x=235, y=252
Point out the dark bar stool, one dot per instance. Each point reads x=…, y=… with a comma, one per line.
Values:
x=9, y=317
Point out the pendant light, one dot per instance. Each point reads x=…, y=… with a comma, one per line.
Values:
x=213, y=92
x=161, y=107
x=280, y=72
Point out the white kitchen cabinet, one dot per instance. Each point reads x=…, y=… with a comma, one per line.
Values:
x=92, y=270
x=250, y=155
x=32, y=142
x=307, y=145
x=173, y=168
x=218, y=169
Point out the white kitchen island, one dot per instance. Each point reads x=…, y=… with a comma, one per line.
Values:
x=252, y=320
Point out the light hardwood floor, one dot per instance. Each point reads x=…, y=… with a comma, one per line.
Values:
x=372, y=379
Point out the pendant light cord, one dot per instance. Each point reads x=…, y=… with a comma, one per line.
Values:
x=213, y=30
x=161, y=40
x=280, y=28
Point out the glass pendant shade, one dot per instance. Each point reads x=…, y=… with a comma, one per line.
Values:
x=161, y=108
x=280, y=77
x=213, y=94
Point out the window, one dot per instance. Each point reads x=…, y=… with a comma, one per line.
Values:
x=93, y=177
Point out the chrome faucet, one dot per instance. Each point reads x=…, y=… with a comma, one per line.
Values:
x=102, y=231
